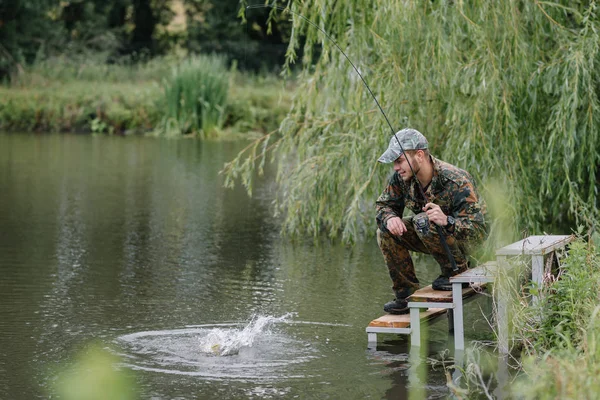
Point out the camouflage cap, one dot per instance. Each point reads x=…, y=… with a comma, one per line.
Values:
x=411, y=139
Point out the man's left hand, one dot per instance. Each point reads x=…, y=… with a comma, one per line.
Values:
x=435, y=214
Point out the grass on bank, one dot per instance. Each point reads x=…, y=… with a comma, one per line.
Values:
x=556, y=342
x=66, y=69
x=77, y=95
x=79, y=107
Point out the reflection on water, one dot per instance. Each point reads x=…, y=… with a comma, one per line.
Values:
x=127, y=240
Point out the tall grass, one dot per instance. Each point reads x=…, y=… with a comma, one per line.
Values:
x=195, y=96
x=94, y=68
x=561, y=335
x=565, y=374
x=561, y=319
x=257, y=102
x=556, y=341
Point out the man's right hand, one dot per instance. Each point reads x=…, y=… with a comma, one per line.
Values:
x=396, y=226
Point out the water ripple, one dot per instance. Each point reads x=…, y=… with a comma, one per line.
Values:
x=260, y=350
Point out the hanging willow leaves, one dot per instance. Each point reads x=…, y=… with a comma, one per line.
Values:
x=505, y=89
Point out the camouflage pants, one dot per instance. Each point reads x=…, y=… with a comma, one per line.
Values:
x=395, y=250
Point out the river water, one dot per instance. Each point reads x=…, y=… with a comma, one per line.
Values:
x=134, y=243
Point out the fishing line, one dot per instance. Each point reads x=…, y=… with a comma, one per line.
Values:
x=421, y=191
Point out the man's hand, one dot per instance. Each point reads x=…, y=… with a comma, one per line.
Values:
x=435, y=214
x=396, y=226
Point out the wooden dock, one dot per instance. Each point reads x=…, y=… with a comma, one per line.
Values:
x=437, y=303
x=403, y=320
x=428, y=295
x=400, y=324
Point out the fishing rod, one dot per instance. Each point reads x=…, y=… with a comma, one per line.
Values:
x=421, y=191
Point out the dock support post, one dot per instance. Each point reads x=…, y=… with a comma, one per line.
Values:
x=459, y=333
x=415, y=325
x=501, y=290
x=537, y=274
x=459, y=363
x=371, y=339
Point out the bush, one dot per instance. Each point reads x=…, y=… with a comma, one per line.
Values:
x=257, y=103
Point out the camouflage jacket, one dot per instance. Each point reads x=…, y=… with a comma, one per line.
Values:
x=452, y=188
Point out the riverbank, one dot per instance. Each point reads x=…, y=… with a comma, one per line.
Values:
x=65, y=96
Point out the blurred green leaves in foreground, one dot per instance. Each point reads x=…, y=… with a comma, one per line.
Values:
x=94, y=375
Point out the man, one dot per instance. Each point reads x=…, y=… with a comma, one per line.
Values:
x=451, y=202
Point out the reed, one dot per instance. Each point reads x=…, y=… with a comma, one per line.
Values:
x=195, y=97
x=567, y=373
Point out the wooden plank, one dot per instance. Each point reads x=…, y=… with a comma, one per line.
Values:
x=535, y=245
x=403, y=321
x=480, y=274
x=427, y=294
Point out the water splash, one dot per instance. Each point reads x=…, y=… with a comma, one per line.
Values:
x=226, y=342
x=276, y=353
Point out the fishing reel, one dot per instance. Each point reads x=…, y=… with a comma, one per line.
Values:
x=422, y=223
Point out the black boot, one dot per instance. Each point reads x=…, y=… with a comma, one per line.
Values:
x=443, y=283
x=396, y=306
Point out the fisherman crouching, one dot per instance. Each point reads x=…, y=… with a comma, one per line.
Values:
x=451, y=201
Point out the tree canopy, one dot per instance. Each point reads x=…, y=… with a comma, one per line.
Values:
x=113, y=30
x=507, y=90
x=257, y=40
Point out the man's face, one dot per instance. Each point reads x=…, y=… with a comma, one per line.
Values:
x=403, y=169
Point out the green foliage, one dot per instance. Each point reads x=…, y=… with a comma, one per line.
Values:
x=563, y=348
x=195, y=96
x=259, y=42
x=93, y=376
x=559, y=336
x=74, y=106
x=99, y=126
x=257, y=103
x=564, y=374
x=504, y=89
x=24, y=30
x=32, y=30
x=567, y=305
x=93, y=68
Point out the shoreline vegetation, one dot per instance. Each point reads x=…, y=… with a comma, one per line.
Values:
x=555, y=342
x=82, y=96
